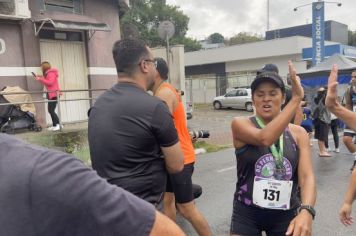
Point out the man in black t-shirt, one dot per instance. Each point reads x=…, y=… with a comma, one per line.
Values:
x=132, y=136
x=45, y=192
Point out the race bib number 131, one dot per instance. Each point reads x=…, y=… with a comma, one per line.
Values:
x=271, y=193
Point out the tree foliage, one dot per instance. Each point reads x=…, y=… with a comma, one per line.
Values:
x=146, y=15
x=245, y=37
x=216, y=38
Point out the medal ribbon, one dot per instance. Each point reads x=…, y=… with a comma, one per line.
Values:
x=277, y=154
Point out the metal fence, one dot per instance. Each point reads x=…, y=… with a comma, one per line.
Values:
x=92, y=95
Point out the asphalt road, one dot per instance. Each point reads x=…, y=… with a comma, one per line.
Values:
x=216, y=173
x=218, y=122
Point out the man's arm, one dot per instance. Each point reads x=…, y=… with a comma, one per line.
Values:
x=333, y=104
x=172, y=153
x=348, y=103
x=174, y=158
x=68, y=198
x=166, y=95
x=345, y=212
x=167, y=137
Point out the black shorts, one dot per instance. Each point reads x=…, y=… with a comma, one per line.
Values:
x=181, y=184
x=349, y=132
x=251, y=221
x=321, y=131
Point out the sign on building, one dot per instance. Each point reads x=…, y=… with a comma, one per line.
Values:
x=318, y=32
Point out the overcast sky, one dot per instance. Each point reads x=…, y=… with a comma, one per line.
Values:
x=230, y=17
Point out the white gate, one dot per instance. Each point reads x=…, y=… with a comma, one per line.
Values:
x=69, y=58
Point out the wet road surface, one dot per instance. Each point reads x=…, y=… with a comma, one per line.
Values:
x=216, y=173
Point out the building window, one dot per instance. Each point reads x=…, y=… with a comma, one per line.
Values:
x=7, y=7
x=69, y=6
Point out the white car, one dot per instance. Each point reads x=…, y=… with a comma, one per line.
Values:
x=240, y=98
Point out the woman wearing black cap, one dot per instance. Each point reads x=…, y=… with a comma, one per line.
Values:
x=275, y=191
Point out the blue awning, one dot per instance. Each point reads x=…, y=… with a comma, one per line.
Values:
x=317, y=81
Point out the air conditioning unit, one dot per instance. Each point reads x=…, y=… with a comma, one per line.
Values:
x=14, y=9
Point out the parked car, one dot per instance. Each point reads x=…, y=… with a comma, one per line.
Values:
x=240, y=98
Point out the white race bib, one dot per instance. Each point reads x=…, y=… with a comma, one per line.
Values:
x=271, y=193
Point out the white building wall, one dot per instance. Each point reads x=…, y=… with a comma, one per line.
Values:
x=254, y=64
x=263, y=49
x=243, y=60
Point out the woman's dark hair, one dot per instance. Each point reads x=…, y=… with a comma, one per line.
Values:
x=128, y=53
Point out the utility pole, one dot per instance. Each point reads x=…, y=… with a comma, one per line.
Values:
x=267, y=15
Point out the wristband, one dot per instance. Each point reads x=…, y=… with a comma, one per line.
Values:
x=309, y=208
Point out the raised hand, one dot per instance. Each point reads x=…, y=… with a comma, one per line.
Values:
x=331, y=97
x=297, y=89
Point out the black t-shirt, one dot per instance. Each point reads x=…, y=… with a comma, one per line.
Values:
x=127, y=128
x=46, y=192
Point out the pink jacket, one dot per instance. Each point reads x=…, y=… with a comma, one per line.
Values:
x=50, y=81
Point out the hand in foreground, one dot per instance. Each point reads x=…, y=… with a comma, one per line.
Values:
x=301, y=225
x=297, y=89
x=345, y=215
x=331, y=97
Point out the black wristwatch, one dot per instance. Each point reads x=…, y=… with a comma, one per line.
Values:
x=309, y=208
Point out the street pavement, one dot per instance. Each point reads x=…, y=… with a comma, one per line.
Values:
x=216, y=173
x=218, y=122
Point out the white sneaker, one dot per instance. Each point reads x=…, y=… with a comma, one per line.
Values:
x=337, y=150
x=50, y=128
x=329, y=149
x=56, y=128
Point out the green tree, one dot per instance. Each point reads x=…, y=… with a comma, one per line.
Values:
x=216, y=38
x=352, y=38
x=190, y=44
x=145, y=16
x=245, y=37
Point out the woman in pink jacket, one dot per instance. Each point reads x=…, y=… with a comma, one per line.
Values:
x=50, y=81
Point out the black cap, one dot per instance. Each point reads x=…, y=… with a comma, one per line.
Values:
x=162, y=67
x=268, y=67
x=268, y=76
